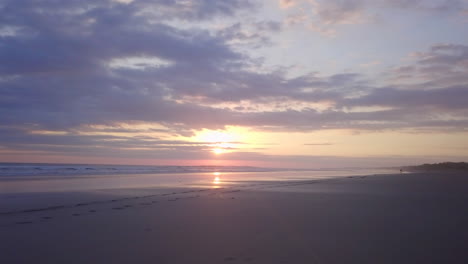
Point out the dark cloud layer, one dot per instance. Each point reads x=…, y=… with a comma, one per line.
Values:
x=58, y=72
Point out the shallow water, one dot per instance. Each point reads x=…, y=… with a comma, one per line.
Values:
x=88, y=182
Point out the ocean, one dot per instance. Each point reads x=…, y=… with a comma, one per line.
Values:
x=43, y=169
x=35, y=177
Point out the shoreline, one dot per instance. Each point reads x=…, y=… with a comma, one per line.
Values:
x=408, y=218
x=125, y=193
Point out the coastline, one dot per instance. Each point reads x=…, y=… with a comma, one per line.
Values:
x=409, y=218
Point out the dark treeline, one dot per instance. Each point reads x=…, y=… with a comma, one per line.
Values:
x=444, y=166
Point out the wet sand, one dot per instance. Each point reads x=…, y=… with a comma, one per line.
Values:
x=409, y=218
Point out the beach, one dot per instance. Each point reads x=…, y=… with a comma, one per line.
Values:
x=391, y=218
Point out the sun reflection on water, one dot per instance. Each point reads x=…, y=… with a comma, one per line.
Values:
x=217, y=179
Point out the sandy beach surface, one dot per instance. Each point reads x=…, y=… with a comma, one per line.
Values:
x=408, y=218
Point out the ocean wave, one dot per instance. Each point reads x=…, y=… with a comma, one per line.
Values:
x=33, y=169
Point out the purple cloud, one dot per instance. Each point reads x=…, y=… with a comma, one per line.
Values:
x=57, y=74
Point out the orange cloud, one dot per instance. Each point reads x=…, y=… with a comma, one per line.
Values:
x=287, y=3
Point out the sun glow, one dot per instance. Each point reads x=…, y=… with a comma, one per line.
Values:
x=220, y=141
x=216, y=136
x=218, y=151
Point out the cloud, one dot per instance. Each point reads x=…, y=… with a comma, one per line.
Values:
x=70, y=64
x=340, y=12
x=326, y=16
x=253, y=35
x=151, y=151
x=287, y=3
x=442, y=65
x=451, y=98
x=128, y=143
x=426, y=5
x=319, y=144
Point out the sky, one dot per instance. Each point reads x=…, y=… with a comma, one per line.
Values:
x=268, y=83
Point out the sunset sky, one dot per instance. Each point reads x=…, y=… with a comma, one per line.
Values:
x=290, y=83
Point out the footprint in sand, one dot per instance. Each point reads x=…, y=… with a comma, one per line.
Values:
x=229, y=259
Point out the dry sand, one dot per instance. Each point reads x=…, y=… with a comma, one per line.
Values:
x=410, y=218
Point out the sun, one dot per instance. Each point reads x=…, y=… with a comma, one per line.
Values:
x=219, y=141
x=218, y=151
